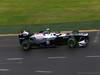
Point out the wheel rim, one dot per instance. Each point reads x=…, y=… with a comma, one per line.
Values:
x=25, y=46
x=71, y=43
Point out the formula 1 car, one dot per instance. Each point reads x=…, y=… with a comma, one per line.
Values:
x=52, y=39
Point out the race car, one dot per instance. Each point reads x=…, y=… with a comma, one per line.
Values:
x=29, y=40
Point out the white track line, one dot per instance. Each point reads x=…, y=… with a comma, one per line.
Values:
x=40, y=71
x=14, y=58
x=3, y=70
x=57, y=57
x=92, y=56
x=96, y=38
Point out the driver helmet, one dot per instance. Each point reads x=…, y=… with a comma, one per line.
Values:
x=25, y=32
x=47, y=29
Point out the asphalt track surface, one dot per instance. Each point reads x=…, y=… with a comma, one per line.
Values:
x=49, y=61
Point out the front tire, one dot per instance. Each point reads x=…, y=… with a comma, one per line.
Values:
x=72, y=42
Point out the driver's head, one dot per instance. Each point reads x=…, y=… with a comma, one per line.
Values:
x=47, y=29
x=25, y=32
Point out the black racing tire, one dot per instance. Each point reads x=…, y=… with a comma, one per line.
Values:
x=72, y=42
x=25, y=45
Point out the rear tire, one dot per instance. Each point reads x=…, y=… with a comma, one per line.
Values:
x=26, y=45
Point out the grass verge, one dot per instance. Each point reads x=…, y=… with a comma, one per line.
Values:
x=54, y=27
